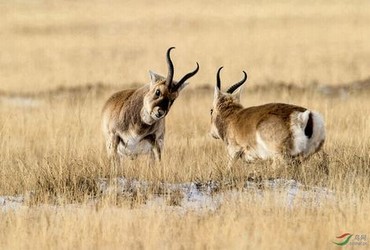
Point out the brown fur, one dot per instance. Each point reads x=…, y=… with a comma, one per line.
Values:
x=133, y=119
x=274, y=129
x=123, y=118
x=272, y=121
x=123, y=111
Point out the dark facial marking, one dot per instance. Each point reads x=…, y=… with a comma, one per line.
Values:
x=165, y=103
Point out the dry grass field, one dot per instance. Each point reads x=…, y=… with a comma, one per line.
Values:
x=59, y=62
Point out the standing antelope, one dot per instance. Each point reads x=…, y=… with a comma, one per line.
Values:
x=133, y=119
x=266, y=131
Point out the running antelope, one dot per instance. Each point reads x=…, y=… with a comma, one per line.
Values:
x=133, y=119
x=266, y=131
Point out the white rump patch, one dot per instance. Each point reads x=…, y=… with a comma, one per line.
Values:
x=300, y=140
x=301, y=143
x=318, y=136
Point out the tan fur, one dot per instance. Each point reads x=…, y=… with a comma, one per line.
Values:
x=266, y=131
x=127, y=121
x=133, y=120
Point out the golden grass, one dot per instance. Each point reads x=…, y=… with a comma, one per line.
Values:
x=238, y=224
x=56, y=150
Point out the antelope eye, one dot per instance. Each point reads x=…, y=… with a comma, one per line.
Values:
x=211, y=111
x=157, y=92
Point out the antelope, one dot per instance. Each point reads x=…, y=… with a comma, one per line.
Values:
x=273, y=130
x=133, y=119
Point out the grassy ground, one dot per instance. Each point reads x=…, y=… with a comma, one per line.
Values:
x=56, y=149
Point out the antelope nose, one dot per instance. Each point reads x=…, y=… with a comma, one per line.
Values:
x=160, y=113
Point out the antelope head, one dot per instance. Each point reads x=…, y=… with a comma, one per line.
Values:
x=223, y=105
x=162, y=92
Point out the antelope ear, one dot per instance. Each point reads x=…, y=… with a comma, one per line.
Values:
x=154, y=77
x=217, y=93
x=216, y=96
x=236, y=94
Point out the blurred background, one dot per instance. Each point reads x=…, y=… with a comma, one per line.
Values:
x=48, y=44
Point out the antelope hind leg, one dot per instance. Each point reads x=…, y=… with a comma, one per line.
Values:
x=234, y=155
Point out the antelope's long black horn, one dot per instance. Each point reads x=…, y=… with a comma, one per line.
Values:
x=238, y=84
x=170, y=68
x=185, y=77
x=219, y=78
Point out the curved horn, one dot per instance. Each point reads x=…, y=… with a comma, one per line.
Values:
x=238, y=84
x=186, y=77
x=170, y=68
x=219, y=78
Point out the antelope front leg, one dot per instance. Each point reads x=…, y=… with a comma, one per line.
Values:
x=112, y=145
x=156, y=152
x=157, y=144
x=157, y=148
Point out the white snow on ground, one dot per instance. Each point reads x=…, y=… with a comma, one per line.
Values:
x=203, y=196
x=8, y=203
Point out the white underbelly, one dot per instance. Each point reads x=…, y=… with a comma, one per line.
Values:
x=133, y=147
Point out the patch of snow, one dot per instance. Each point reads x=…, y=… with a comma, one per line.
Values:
x=207, y=196
x=11, y=203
